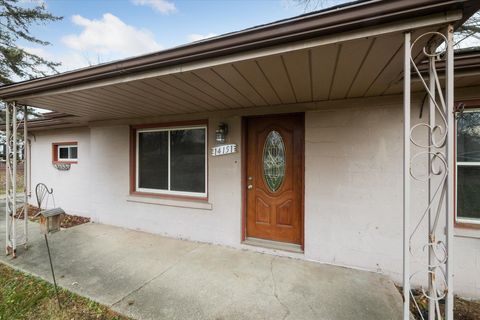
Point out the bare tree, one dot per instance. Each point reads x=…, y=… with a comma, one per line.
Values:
x=469, y=31
x=467, y=35
x=312, y=5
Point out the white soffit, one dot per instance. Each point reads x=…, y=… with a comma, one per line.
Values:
x=367, y=62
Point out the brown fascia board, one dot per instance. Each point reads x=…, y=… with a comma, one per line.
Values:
x=338, y=19
x=465, y=59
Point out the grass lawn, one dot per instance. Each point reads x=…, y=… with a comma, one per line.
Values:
x=19, y=181
x=26, y=297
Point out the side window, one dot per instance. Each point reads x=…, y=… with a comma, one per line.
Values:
x=65, y=152
x=468, y=167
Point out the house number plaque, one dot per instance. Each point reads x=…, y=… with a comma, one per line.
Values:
x=224, y=149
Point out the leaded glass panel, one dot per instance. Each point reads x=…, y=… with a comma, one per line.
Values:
x=274, y=161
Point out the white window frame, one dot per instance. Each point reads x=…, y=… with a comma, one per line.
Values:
x=463, y=164
x=68, y=146
x=170, y=192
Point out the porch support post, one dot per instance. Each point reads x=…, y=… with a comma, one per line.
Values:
x=450, y=146
x=10, y=178
x=14, y=237
x=406, y=178
x=13, y=201
x=25, y=173
x=8, y=137
x=431, y=188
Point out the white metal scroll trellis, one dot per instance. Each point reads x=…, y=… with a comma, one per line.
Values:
x=431, y=252
x=16, y=214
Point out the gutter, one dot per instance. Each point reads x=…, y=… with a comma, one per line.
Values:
x=464, y=60
x=338, y=19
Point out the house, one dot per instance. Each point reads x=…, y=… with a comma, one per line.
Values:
x=285, y=138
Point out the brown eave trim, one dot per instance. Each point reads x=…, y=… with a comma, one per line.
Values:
x=359, y=14
x=462, y=62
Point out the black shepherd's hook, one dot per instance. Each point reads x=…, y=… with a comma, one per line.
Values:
x=43, y=193
x=53, y=272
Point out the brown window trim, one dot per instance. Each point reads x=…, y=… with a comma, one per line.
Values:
x=133, y=157
x=55, y=146
x=463, y=225
x=467, y=104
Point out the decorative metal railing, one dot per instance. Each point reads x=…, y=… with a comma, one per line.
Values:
x=428, y=164
x=16, y=214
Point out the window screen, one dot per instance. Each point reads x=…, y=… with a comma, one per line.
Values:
x=187, y=160
x=63, y=152
x=468, y=166
x=66, y=153
x=172, y=161
x=153, y=160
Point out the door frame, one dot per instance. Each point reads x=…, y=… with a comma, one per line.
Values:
x=244, y=148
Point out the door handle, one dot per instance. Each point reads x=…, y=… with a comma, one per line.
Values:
x=250, y=187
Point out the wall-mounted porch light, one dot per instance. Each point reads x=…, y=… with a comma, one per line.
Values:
x=221, y=133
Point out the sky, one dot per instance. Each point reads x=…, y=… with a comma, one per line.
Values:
x=98, y=31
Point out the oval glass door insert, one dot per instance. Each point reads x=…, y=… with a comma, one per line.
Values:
x=274, y=161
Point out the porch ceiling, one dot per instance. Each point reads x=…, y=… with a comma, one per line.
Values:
x=363, y=67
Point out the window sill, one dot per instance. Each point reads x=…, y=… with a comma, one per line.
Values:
x=467, y=230
x=192, y=204
x=64, y=162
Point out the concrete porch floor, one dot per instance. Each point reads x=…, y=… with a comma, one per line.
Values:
x=146, y=276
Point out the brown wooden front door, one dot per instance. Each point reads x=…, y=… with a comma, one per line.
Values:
x=275, y=175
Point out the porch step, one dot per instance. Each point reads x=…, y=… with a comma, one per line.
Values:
x=276, y=245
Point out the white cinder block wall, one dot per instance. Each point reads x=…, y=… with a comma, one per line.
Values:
x=353, y=200
x=353, y=194
x=353, y=188
x=111, y=204
x=71, y=188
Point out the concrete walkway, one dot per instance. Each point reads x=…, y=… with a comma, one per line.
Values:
x=146, y=276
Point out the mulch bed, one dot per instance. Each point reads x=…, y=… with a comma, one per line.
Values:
x=68, y=220
x=462, y=309
x=466, y=310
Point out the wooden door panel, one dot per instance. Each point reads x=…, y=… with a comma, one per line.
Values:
x=262, y=212
x=285, y=213
x=275, y=214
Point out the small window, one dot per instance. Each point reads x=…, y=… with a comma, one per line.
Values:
x=67, y=153
x=468, y=167
x=172, y=161
x=63, y=152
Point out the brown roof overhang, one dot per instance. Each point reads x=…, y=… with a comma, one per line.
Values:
x=352, y=16
x=465, y=60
